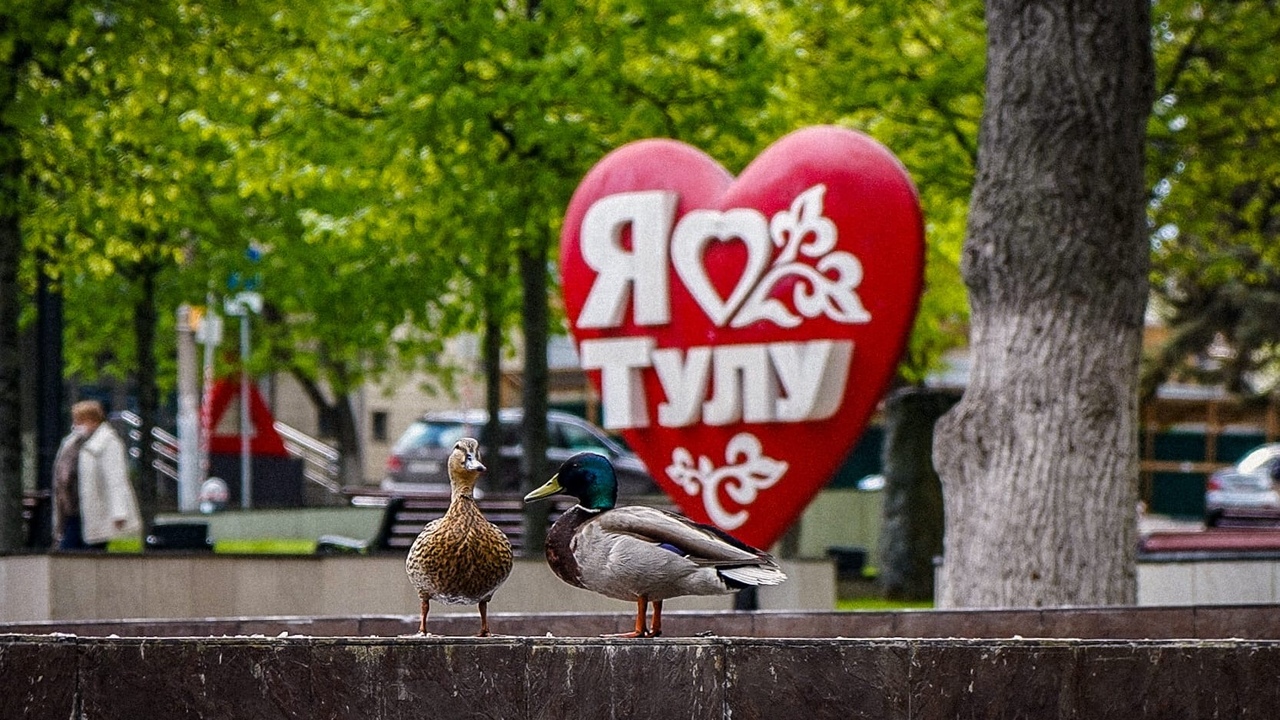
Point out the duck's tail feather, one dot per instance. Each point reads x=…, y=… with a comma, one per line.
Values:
x=751, y=575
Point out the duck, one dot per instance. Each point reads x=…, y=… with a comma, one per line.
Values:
x=460, y=558
x=641, y=554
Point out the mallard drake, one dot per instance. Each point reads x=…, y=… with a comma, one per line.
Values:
x=460, y=558
x=638, y=553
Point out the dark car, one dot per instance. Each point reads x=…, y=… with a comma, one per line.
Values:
x=418, y=460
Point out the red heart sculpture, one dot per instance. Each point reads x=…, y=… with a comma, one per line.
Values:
x=741, y=332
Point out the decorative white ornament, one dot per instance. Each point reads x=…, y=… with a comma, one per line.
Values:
x=804, y=230
x=689, y=243
x=746, y=474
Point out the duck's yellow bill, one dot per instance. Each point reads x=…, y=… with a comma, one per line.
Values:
x=551, y=487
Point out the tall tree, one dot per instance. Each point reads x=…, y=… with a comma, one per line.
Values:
x=33, y=36
x=909, y=73
x=1039, y=459
x=304, y=168
x=121, y=197
x=1215, y=209
x=482, y=121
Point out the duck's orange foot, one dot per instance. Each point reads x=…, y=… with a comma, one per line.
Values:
x=632, y=634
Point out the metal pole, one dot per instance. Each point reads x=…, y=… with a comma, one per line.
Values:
x=188, y=414
x=213, y=336
x=246, y=481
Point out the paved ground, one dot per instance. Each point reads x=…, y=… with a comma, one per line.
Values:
x=1148, y=523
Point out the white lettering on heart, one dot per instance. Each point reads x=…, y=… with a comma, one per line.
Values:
x=811, y=389
x=752, y=382
x=619, y=362
x=826, y=280
x=684, y=379
x=747, y=471
x=640, y=271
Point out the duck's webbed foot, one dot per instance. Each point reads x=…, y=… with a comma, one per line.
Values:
x=641, y=631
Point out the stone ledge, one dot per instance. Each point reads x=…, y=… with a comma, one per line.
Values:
x=1250, y=622
x=55, y=676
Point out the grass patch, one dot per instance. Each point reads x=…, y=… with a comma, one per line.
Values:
x=880, y=604
x=241, y=546
x=265, y=546
x=125, y=545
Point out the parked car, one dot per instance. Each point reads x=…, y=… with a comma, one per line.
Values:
x=1249, y=485
x=418, y=459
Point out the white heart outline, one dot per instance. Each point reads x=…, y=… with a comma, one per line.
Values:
x=689, y=241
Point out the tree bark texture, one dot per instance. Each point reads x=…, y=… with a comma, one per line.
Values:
x=12, y=170
x=535, y=317
x=11, y=534
x=339, y=419
x=912, y=531
x=347, y=436
x=500, y=475
x=145, y=322
x=1039, y=461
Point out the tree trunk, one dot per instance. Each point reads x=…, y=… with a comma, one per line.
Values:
x=145, y=321
x=11, y=535
x=500, y=475
x=44, y=367
x=1039, y=461
x=340, y=417
x=533, y=277
x=347, y=438
x=912, y=532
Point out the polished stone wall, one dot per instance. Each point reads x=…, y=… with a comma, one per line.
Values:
x=1213, y=622
x=104, y=678
x=71, y=586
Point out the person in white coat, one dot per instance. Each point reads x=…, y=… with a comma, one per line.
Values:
x=93, y=500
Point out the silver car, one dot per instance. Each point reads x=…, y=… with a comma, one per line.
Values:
x=417, y=460
x=1248, y=487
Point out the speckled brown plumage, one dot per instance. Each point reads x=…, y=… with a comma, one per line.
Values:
x=461, y=558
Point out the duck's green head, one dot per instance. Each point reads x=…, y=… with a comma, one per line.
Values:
x=586, y=476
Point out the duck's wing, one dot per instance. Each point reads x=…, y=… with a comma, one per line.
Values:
x=738, y=564
x=703, y=544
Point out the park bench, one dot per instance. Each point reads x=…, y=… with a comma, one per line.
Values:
x=405, y=515
x=1246, y=518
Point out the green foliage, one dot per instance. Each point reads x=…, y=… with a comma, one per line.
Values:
x=116, y=194
x=453, y=136
x=1214, y=166
x=389, y=159
x=909, y=74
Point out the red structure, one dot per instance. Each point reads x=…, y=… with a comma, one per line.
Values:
x=277, y=477
x=264, y=440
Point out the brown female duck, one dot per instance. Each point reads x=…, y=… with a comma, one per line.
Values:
x=460, y=558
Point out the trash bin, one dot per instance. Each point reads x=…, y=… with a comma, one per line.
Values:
x=849, y=561
x=179, y=536
x=277, y=481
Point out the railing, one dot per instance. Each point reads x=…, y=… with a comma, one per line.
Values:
x=321, y=463
x=164, y=446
